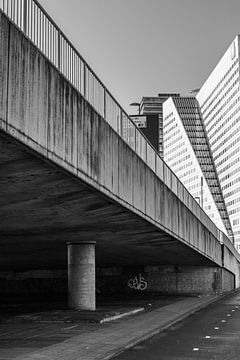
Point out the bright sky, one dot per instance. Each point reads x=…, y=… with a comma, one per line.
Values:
x=143, y=47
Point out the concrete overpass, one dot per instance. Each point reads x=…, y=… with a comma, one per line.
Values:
x=75, y=169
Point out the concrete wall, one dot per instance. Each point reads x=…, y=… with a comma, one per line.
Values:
x=41, y=109
x=231, y=260
x=195, y=280
x=170, y=280
x=228, y=280
x=34, y=282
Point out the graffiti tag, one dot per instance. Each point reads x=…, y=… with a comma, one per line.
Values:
x=137, y=283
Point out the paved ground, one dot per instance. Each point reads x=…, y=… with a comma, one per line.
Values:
x=59, y=334
x=210, y=334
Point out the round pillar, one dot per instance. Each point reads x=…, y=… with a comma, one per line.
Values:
x=81, y=275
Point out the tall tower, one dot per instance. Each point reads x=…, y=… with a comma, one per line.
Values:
x=187, y=153
x=219, y=101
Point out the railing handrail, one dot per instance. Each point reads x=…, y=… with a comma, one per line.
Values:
x=89, y=67
x=68, y=41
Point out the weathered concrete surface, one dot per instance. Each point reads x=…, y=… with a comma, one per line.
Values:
x=132, y=214
x=81, y=276
x=166, y=279
x=163, y=279
x=230, y=259
x=42, y=207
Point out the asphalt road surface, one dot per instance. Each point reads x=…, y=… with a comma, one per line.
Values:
x=212, y=333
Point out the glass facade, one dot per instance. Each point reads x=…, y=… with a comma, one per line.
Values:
x=219, y=101
x=187, y=153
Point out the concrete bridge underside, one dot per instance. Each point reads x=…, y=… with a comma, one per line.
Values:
x=42, y=207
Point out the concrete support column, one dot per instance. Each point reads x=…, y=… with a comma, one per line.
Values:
x=81, y=275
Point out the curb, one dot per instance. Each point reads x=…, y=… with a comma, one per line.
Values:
x=120, y=316
x=164, y=327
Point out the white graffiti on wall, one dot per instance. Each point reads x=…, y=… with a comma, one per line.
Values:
x=137, y=283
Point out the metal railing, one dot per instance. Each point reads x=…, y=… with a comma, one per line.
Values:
x=38, y=26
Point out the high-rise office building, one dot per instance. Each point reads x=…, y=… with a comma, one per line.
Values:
x=187, y=153
x=153, y=105
x=218, y=107
x=219, y=101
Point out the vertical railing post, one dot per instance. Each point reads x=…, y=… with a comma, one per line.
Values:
x=121, y=123
x=25, y=16
x=84, y=81
x=59, y=51
x=135, y=138
x=104, y=103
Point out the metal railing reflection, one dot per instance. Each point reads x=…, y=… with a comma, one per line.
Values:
x=38, y=26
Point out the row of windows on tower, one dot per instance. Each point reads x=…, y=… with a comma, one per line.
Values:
x=233, y=201
x=223, y=88
x=230, y=174
x=174, y=156
x=180, y=160
x=228, y=147
x=220, y=109
x=226, y=139
x=172, y=150
x=229, y=165
x=171, y=136
x=229, y=156
x=233, y=182
x=168, y=116
x=219, y=83
x=165, y=132
x=226, y=130
x=236, y=221
x=222, y=126
x=184, y=166
x=230, y=193
x=173, y=142
x=166, y=124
